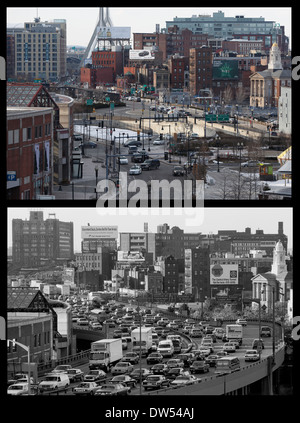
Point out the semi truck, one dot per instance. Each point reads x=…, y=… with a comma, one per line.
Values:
x=234, y=332
x=105, y=353
x=142, y=338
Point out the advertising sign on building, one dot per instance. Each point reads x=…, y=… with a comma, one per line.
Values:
x=132, y=256
x=225, y=69
x=225, y=274
x=95, y=232
x=141, y=55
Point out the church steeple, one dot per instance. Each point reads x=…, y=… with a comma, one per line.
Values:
x=275, y=58
x=279, y=264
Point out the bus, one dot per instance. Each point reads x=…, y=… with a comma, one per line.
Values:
x=227, y=365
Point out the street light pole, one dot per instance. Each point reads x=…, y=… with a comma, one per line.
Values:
x=26, y=348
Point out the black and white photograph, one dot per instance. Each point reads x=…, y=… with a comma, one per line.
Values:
x=150, y=302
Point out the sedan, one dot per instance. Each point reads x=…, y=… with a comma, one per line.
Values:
x=155, y=382
x=212, y=359
x=122, y=160
x=158, y=142
x=154, y=357
x=175, y=372
x=131, y=358
x=175, y=362
x=89, y=144
x=159, y=369
x=113, y=389
x=122, y=368
x=186, y=379
x=75, y=375
x=95, y=376
x=229, y=347
x=135, y=170
x=249, y=163
x=199, y=366
x=206, y=351
x=251, y=355
x=86, y=388
x=178, y=171
x=136, y=374
x=95, y=326
x=125, y=379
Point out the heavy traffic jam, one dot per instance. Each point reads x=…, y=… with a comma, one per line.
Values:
x=144, y=349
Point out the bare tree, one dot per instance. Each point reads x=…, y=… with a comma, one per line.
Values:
x=228, y=94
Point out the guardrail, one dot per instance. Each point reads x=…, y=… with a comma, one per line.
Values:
x=78, y=358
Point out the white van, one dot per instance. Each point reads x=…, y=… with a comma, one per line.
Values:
x=18, y=388
x=227, y=365
x=166, y=348
x=54, y=381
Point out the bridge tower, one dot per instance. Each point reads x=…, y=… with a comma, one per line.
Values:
x=103, y=24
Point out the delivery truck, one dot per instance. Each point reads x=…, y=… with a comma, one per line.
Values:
x=234, y=332
x=105, y=353
x=142, y=338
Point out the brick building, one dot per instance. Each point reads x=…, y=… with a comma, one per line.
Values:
x=200, y=69
x=29, y=150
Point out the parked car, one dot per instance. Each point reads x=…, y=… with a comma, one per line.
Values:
x=251, y=355
x=178, y=171
x=155, y=382
x=135, y=170
x=113, y=389
x=199, y=366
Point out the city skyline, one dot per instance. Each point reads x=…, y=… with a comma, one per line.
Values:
x=206, y=220
x=81, y=21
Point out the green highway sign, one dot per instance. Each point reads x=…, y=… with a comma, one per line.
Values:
x=211, y=118
x=217, y=118
x=223, y=118
x=90, y=102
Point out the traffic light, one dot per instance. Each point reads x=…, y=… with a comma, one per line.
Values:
x=166, y=155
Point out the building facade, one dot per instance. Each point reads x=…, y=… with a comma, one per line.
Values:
x=29, y=149
x=37, y=242
x=200, y=66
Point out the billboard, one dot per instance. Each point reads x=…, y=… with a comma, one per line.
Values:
x=119, y=32
x=225, y=69
x=130, y=256
x=141, y=55
x=95, y=232
x=225, y=274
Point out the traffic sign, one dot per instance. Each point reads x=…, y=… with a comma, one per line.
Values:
x=11, y=175
x=90, y=102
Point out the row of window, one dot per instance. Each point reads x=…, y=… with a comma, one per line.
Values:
x=14, y=134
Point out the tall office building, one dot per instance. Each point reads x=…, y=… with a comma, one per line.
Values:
x=40, y=50
x=37, y=242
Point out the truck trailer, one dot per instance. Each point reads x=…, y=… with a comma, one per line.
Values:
x=105, y=353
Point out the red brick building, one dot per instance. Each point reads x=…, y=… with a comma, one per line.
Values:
x=29, y=150
x=179, y=70
x=200, y=64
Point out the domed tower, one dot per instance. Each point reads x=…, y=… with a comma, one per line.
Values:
x=275, y=58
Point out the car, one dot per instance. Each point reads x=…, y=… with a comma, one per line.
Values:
x=144, y=53
x=221, y=354
x=154, y=346
x=158, y=142
x=122, y=160
x=159, y=369
x=185, y=379
x=186, y=329
x=18, y=388
x=154, y=357
x=187, y=358
x=131, y=357
x=242, y=322
x=117, y=333
x=211, y=336
x=205, y=350
x=139, y=374
x=54, y=381
x=174, y=372
x=135, y=170
x=113, y=389
x=122, y=367
x=95, y=376
x=256, y=343
x=89, y=144
x=62, y=368
x=155, y=382
x=236, y=342
x=85, y=388
x=199, y=366
x=150, y=164
x=132, y=141
x=212, y=359
x=175, y=362
x=251, y=355
x=208, y=344
x=125, y=379
x=152, y=108
x=139, y=158
x=250, y=163
x=229, y=347
x=195, y=333
x=178, y=171
x=95, y=326
x=265, y=331
x=219, y=332
x=82, y=322
x=75, y=375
